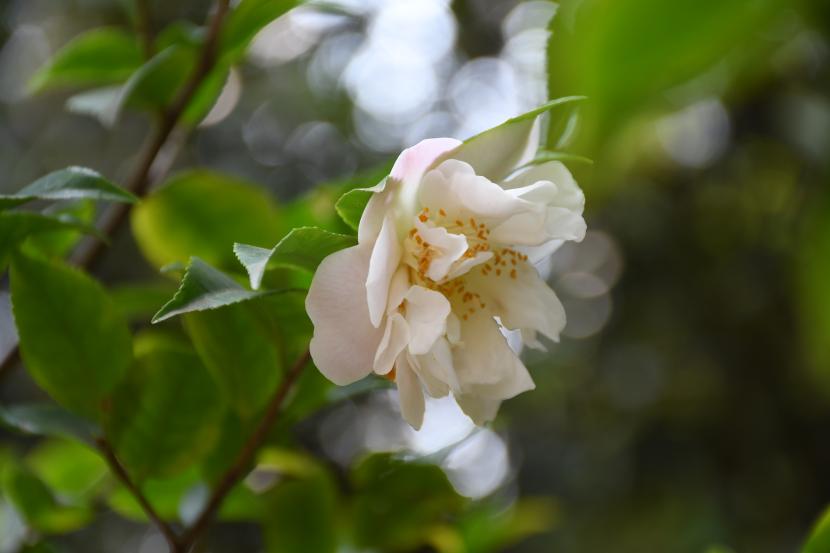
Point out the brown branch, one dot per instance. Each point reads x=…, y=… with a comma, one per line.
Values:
x=144, y=27
x=90, y=250
x=118, y=469
x=243, y=460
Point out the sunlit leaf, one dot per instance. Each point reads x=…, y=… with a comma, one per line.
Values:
x=73, y=340
x=99, y=56
x=303, y=248
x=202, y=214
x=68, y=184
x=36, y=503
x=69, y=469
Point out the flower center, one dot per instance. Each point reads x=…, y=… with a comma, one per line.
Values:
x=480, y=255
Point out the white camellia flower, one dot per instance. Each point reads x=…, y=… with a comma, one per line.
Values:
x=445, y=262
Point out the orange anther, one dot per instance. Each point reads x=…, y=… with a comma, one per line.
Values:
x=442, y=213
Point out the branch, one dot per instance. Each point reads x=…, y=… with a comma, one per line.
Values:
x=144, y=28
x=243, y=460
x=119, y=470
x=89, y=251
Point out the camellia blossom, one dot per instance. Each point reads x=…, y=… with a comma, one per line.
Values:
x=444, y=263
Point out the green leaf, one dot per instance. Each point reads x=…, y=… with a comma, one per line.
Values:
x=495, y=152
x=59, y=243
x=239, y=345
x=544, y=156
x=47, y=419
x=35, y=502
x=246, y=20
x=819, y=540
x=17, y=226
x=100, y=56
x=301, y=512
x=303, y=248
x=203, y=288
x=625, y=56
x=383, y=485
x=74, y=342
x=350, y=206
x=155, y=84
x=68, y=184
x=72, y=471
x=202, y=214
x=165, y=414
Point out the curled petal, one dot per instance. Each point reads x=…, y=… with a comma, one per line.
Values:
x=386, y=255
x=485, y=364
x=410, y=393
x=426, y=314
x=393, y=342
x=480, y=409
x=344, y=343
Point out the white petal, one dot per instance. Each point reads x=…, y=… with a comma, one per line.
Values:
x=465, y=265
x=567, y=192
x=410, y=393
x=454, y=187
x=426, y=314
x=524, y=302
x=479, y=409
x=447, y=248
x=398, y=288
x=386, y=256
x=453, y=329
x=485, y=364
x=344, y=342
x=436, y=369
x=531, y=340
x=371, y=219
x=393, y=342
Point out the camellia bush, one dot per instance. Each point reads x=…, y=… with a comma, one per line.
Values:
x=166, y=400
x=174, y=402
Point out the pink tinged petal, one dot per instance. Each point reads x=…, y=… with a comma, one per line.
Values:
x=410, y=393
x=426, y=314
x=485, y=364
x=344, y=343
x=447, y=249
x=479, y=409
x=524, y=302
x=394, y=340
x=414, y=162
x=386, y=256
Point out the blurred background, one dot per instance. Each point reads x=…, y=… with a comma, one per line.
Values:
x=687, y=406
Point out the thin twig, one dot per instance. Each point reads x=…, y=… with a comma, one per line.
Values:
x=118, y=469
x=90, y=250
x=243, y=460
x=144, y=28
